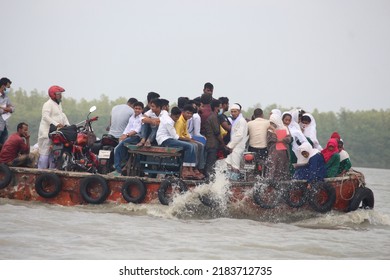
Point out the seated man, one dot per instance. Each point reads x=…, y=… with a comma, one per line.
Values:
x=150, y=122
x=16, y=150
x=130, y=135
x=181, y=130
x=167, y=137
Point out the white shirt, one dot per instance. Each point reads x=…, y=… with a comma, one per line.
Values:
x=166, y=129
x=153, y=115
x=134, y=124
x=193, y=125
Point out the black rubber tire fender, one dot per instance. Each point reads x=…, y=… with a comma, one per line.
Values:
x=48, y=180
x=272, y=194
x=6, y=173
x=165, y=185
x=295, y=194
x=209, y=200
x=87, y=183
x=315, y=197
x=139, y=187
x=363, y=196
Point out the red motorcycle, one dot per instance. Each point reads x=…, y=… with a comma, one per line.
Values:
x=72, y=146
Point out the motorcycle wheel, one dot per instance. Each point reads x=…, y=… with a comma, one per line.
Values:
x=65, y=162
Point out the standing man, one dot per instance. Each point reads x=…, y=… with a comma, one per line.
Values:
x=6, y=108
x=51, y=114
x=120, y=115
x=223, y=119
x=214, y=139
x=238, y=139
x=16, y=150
x=208, y=88
x=258, y=135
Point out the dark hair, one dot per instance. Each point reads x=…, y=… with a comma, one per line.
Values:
x=20, y=125
x=197, y=101
x=152, y=95
x=164, y=102
x=175, y=111
x=224, y=100
x=188, y=107
x=138, y=104
x=214, y=104
x=209, y=86
x=284, y=115
x=132, y=100
x=4, y=81
x=206, y=98
x=306, y=118
x=257, y=113
x=181, y=101
x=301, y=112
x=156, y=102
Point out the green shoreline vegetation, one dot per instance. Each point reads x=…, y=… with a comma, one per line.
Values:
x=366, y=133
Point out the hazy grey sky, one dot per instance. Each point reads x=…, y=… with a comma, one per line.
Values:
x=312, y=54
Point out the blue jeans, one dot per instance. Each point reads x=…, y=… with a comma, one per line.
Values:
x=189, y=150
x=148, y=132
x=121, y=153
x=200, y=154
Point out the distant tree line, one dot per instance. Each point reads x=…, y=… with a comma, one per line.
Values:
x=366, y=134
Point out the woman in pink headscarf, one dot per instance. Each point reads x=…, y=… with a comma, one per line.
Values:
x=278, y=140
x=332, y=158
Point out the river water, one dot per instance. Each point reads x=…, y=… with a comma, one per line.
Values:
x=188, y=230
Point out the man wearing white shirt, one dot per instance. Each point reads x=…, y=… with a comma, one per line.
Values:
x=130, y=135
x=6, y=108
x=150, y=122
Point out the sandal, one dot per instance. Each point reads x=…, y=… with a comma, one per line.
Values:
x=141, y=143
x=147, y=143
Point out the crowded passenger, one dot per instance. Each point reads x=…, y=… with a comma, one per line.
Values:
x=310, y=165
x=182, y=131
x=204, y=110
x=345, y=162
x=223, y=119
x=150, y=96
x=238, y=139
x=278, y=139
x=332, y=158
x=16, y=150
x=119, y=117
x=257, y=129
x=193, y=124
x=214, y=140
x=130, y=135
x=297, y=136
x=167, y=137
x=6, y=108
x=309, y=129
x=150, y=122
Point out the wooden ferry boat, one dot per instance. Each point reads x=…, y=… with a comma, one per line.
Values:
x=346, y=193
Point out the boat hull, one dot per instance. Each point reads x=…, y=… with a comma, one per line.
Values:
x=75, y=190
